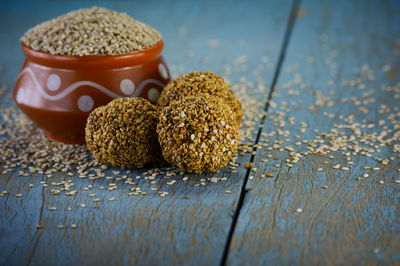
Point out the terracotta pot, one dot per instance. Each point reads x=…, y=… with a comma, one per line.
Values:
x=58, y=92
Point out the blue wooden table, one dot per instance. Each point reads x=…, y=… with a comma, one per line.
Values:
x=324, y=65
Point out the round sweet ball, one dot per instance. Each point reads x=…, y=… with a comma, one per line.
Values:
x=123, y=133
x=198, y=134
x=195, y=83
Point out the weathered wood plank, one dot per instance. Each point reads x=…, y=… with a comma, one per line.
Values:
x=291, y=218
x=19, y=217
x=146, y=229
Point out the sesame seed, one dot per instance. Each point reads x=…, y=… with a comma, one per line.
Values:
x=163, y=194
x=248, y=165
x=214, y=180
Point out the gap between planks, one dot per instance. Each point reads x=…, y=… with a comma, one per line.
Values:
x=244, y=190
x=38, y=230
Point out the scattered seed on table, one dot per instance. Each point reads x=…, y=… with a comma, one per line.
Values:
x=214, y=179
x=248, y=165
x=332, y=141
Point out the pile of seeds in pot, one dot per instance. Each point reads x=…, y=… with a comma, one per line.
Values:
x=196, y=123
x=91, y=31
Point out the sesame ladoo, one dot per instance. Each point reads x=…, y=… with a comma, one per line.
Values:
x=198, y=134
x=91, y=31
x=123, y=133
x=195, y=83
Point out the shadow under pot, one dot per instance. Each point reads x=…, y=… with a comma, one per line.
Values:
x=57, y=92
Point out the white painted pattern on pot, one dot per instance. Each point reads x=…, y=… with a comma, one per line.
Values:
x=135, y=92
x=163, y=71
x=144, y=83
x=153, y=95
x=20, y=95
x=85, y=103
x=68, y=90
x=53, y=82
x=127, y=86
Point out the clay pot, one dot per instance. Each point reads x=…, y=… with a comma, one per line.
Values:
x=57, y=92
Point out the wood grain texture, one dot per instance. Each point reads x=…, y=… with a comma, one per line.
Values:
x=147, y=229
x=350, y=222
x=18, y=217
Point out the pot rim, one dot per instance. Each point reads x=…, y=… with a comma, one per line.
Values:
x=96, y=61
